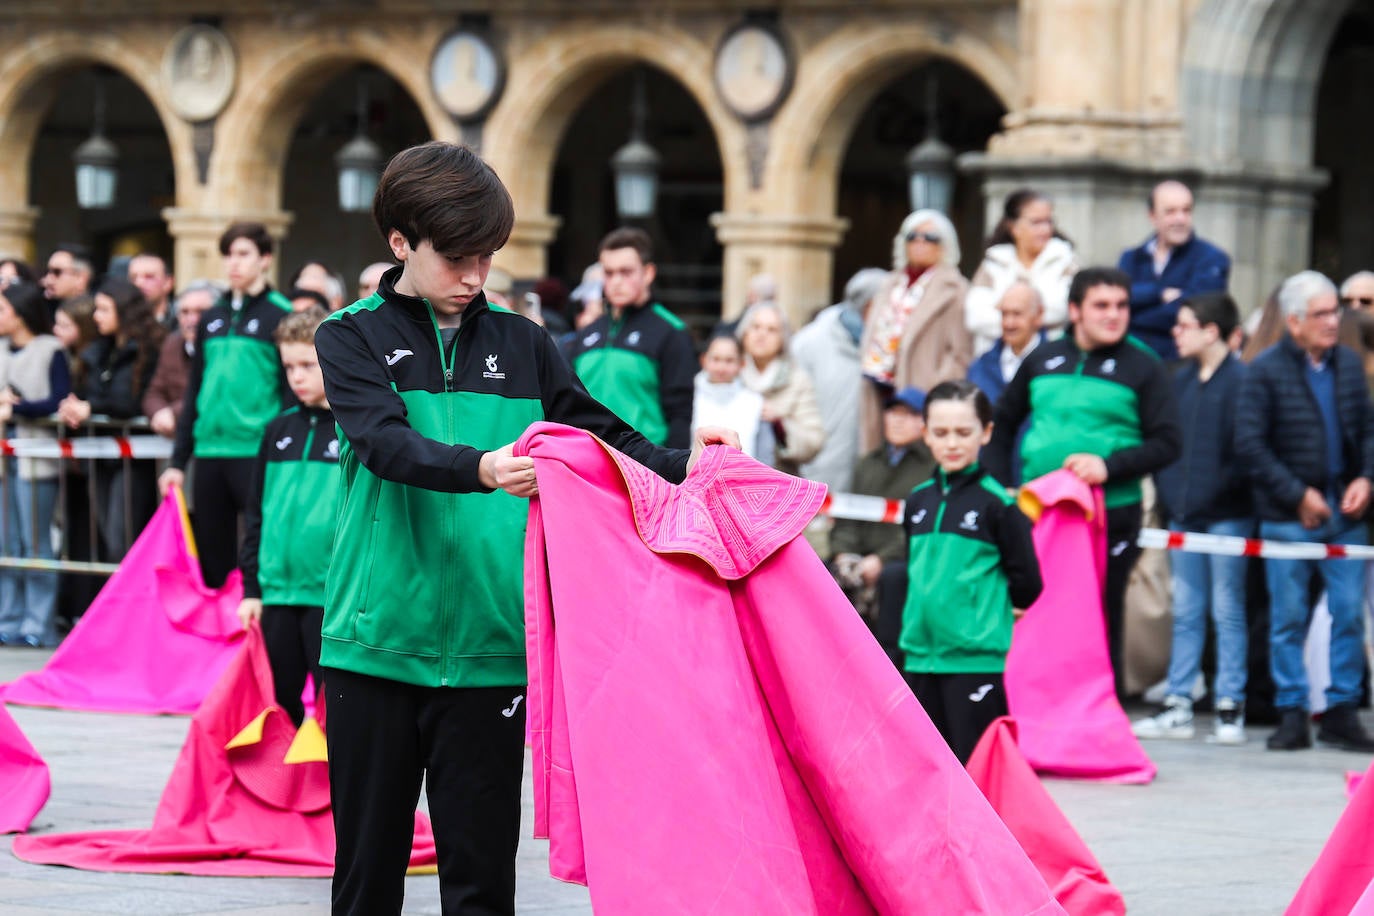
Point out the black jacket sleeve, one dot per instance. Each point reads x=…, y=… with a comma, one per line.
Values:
x=567, y=401
x=252, y=518
x=1255, y=408
x=1161, y=437
x=1012, y=409
x=1019, y=561
x=185, y=442
x=373, y=417
x=677, y=371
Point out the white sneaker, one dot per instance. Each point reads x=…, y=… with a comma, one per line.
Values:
x=1230, y=723
x=1175, y=720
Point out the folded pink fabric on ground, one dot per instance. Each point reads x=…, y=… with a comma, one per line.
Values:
x=24, y=782
x=238, y=811
x=1340, y=879
x=998, y=768
x=1059, y=674
x=713, y=727
x=154, y=640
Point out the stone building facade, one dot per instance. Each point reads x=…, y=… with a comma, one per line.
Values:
x=1098, y=99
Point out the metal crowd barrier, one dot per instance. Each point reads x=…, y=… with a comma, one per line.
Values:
x=100, y=438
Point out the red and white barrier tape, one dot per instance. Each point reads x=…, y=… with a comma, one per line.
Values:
x=876, y=509
x=88, y=447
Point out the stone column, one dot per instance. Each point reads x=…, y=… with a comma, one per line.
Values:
x=796, y=250
x=525, y=256
x=16, y=234
x=195, y=236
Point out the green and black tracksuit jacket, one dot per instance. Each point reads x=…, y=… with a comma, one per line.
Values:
x=290, y=519
x=426, y=584
x=1116, y=402
x=971, y=560
x=236, y=383
x=643, y=368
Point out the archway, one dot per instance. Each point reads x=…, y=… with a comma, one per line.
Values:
x=691, y=188
x=320, y=231
x=873, y=194
x=146, y=182
x=1342, y=234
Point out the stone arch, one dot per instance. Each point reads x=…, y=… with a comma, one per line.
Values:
x=840, y=77
x=28, y=86
x=527, y=127
x=1249, y=83
x=254, y=135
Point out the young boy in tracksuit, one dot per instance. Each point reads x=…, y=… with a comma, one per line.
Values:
x=235, y=386
x=289, y=523
x=423, y=638
x=972, y=570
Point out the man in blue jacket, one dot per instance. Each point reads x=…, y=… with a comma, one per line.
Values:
x=1023, y=316
x=1172, y=265
x=1305, y=431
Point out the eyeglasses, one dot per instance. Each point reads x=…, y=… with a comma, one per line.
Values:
x=1363, y=302
x=930, y=237
x=57, y=271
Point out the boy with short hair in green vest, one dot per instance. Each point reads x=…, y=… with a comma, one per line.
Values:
x=638, y=358
x=235, y=386
x=289, y=524
x=972, y=571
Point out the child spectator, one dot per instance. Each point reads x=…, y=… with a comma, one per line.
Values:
x=289, y=524
x=120, y=363
x=235, y=388
x=721, y=398
x=33, y=381
x=972, y=570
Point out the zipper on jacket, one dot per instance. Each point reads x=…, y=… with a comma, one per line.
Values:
x=444, y=361
x=450, y=431
x=296, y=516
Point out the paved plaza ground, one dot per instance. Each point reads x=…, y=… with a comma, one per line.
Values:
x=1221, y=831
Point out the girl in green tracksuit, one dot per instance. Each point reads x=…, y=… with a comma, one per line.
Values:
x=972, y=570
x=289, y=536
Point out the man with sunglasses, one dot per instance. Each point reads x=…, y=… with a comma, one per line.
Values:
x=69, y=273
x=1357, y=292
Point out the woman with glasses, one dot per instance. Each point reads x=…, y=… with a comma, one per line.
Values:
x=1027, y=247
x=33, y=381
x=914, y=334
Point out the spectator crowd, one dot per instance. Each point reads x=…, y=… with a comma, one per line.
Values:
x=1137, y=378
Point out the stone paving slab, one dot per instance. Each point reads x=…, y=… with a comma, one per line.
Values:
x=1221, y=831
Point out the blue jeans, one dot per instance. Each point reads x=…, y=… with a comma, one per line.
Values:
x=1201, y=582
x=1290, y=612
x=27, y=597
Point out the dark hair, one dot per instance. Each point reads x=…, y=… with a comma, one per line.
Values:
x=1016, y=202
x=300, y=327
x=313, y=295
x=254, y=232
x=1214, y=308
x=960, y=390
x=445, y=194
x=1089, y=277
x=136, y=323
x=81, y=310
x=629, y=237
x=25, y=272
x=81, y=255
x=1150, y=201
x=29, y=304
x=724, y=335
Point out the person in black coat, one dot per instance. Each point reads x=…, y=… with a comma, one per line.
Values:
x=120, y=364
x=1305, y=430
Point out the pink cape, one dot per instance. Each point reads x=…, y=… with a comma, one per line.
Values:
x=1065, y=862
x=232, y=806
x=1059, y=674
x=1340, y=881
x=24, y=783
x=154, y=640
x=713, y=727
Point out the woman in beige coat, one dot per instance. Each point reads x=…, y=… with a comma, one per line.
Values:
x=789, y=398
x=914, y=334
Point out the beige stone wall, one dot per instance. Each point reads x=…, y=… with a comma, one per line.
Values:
x=1094, y=108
